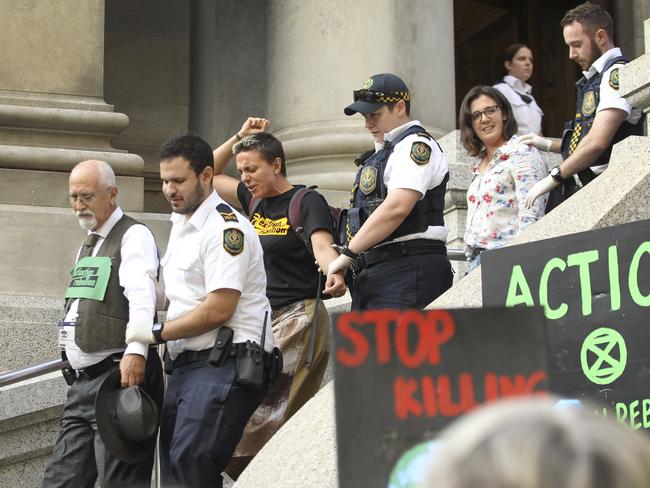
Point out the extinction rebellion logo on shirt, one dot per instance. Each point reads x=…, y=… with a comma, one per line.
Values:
x=269, y=227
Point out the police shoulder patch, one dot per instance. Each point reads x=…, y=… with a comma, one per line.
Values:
x=233, y=241
x=420, y=153
x=613, y=78
x=227, y=213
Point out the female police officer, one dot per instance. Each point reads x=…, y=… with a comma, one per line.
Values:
x=396, y=237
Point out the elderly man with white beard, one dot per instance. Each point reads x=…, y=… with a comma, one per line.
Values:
x=113, y=282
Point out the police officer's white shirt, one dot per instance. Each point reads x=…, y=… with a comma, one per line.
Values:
x=138, y=276
x=402, y=172
x=610, y=97
x=528, y=115
x=196, y=263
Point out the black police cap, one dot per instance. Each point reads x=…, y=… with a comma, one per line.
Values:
x=377, y=91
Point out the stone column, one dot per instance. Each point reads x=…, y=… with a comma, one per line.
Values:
x=226, y=66
x=318, y=52
x=52, y=115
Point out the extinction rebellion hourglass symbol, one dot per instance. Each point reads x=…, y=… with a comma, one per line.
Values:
x=603, y=356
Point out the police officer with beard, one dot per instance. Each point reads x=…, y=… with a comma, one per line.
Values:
x=602, y=117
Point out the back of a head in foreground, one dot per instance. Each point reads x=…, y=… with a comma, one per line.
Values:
x=532, y=443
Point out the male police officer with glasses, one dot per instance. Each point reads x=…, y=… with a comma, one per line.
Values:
x=395, y=234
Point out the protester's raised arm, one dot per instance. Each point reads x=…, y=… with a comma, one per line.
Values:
x=223, y=153
x=225, y=185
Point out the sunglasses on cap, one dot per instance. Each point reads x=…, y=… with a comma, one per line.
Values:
x=372, y=96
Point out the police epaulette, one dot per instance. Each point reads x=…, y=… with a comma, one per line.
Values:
x=227, y=213
x=426, y=135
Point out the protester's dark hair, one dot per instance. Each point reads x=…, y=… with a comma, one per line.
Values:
x=468, y=137
x=267, y=145
x=592, y=17
x=191, y=147
x=510, y=53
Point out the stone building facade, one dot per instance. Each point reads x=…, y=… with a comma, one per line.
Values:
x=111, y=79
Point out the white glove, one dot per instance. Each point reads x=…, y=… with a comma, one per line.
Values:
x=337, y=248
x=140, y=332
x=541, y=143
x=539, y=189
x=340, y=264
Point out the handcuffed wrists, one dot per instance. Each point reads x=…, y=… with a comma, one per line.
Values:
x=346, y=251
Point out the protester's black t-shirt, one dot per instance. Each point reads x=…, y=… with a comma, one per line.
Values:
x=291, y=274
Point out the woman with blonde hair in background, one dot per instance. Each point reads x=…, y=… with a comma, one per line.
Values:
x=535, y=443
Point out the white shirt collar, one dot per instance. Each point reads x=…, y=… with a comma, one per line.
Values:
x=109, y=224
x=598, y=65
x=200, y=214
x=392, y=135
x=517, y=84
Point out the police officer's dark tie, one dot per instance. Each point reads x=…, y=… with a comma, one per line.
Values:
x=89, y=245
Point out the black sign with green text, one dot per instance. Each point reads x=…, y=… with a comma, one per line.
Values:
x=595, y=290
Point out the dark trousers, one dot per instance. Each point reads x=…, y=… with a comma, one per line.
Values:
x=203, y=418
x=405, y=282
x=79, y=457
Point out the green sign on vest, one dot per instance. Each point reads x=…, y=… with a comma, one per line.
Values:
x=90, y=278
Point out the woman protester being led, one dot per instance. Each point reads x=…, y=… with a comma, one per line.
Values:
x=293, y=278
x=518, y=61
x=504, y=170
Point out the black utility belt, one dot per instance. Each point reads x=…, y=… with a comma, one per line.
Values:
x=397, y=250
x=93, y=371
x=188, y=357
x=255, y=366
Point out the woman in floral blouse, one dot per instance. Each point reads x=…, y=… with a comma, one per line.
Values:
x=503, y=172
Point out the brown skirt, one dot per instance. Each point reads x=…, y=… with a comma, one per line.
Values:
x=297, y=384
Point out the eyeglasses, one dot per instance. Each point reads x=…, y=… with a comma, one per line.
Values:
x=85, y=198
x=372, y=96
x=488, y=112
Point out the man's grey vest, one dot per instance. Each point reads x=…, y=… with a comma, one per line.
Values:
x=102, y=325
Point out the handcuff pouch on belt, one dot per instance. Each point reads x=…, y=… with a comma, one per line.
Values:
x=221, y=348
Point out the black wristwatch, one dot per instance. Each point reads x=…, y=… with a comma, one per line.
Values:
x=346, y=251
x=556, y=175
x=156, y=330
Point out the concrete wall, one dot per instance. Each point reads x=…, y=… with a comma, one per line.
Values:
x=147, y=77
